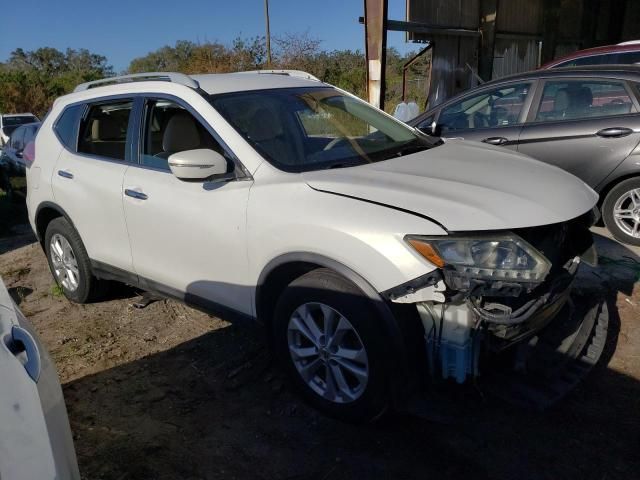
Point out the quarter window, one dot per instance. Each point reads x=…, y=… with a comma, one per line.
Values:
x=493, y=108
x=170, y=128
x=573, y=100
x=103, y=131
x=66, y=126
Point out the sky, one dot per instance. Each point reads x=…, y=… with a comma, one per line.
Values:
x=122, y=30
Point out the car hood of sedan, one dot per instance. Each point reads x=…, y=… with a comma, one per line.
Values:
x=465, y=186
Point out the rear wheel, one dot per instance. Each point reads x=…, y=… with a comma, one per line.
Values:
x=69, y=262
x=328, y=339
x=621, y=211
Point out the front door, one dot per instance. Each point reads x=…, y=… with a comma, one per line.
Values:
x=493, y=115
x=587, y=127
x=188, y=239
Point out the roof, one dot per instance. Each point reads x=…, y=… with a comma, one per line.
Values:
x=631, y=72
x=622, y=47
x=244, y=81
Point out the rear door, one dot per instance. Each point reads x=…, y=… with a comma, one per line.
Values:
x=585, y=126
x=493, y=115
x=87, y=180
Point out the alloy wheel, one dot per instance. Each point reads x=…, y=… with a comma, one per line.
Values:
x=328, y=353
x=626, y=213
x=64, y=262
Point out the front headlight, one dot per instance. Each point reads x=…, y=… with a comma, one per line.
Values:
x=488, y=256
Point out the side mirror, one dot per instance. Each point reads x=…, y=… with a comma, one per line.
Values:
x=199, y=164
x=19, y=153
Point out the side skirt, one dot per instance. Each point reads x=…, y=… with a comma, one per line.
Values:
x=107, y=272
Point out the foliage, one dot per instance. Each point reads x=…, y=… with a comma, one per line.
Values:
x=31, y=80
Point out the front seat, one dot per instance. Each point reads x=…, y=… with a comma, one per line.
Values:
x=180, y=134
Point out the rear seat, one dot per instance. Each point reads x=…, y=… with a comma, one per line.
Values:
x=106, y=138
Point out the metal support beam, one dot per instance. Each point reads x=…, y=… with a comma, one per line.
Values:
x=375, y=31
x=488, y=16
x=417, y=27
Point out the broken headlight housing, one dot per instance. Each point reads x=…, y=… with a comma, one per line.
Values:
x=492, y=257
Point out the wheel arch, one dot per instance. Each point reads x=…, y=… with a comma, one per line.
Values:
x=612, y=183
x=282, y=270
x=45, y=213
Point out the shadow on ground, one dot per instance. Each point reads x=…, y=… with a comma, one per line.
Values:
x=214, y=407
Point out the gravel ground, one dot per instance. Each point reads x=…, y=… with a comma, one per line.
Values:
x=168, y=392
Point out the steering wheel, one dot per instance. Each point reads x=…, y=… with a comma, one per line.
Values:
x=334, y=142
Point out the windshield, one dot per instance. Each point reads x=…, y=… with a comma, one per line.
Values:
x=304, y=129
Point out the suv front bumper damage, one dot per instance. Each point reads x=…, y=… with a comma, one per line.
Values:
x=506, y=327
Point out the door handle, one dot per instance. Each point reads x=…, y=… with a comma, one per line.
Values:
x=24, y=347
x=135, y=194
x=65, y=174
x=495, y=140
x=614, y=132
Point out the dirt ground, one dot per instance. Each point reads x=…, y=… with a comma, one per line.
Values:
x=169, y=393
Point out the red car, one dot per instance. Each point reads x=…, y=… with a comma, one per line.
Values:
x=626, y=53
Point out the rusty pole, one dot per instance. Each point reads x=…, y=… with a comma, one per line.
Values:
x=375, y=32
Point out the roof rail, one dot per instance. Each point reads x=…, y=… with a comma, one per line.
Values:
x=291, y=73
x=173, y=77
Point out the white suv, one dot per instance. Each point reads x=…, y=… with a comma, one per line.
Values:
x=368, y=249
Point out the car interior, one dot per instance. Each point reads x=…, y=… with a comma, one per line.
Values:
x=573, y=101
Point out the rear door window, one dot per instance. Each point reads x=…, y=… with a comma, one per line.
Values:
x=574, y=100
x=103, y=131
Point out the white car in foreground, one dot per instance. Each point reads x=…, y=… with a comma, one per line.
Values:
x=368, y=249
x=35, y=439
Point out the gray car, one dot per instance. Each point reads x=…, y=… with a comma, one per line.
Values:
x=585, y=120
x=35, y=438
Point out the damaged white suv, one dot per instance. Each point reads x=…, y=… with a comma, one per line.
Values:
x=367, y=249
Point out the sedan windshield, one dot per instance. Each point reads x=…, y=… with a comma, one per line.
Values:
x=304, y=129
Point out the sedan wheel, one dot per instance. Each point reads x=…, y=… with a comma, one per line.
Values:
x=328, y=352
x=626, y=213
x=621, y=211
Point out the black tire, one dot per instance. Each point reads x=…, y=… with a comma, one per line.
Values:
x=326, y=287
x=608, y=205
x=89, y=287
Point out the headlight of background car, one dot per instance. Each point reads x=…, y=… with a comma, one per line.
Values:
x=504, y=257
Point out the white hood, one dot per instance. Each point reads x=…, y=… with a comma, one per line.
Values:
x=465, y=186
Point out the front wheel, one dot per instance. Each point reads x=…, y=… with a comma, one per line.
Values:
x=328, y=339
x=621, y=211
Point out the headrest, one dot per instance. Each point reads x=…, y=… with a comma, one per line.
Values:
x=181, y=133
x=561, y=102
x=105, y=128
x=583, y=97
x=264, y=125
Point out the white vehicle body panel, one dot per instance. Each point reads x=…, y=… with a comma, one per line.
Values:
x=93, y=199
x=189, y=236
x=466, y=186
x=35, y=439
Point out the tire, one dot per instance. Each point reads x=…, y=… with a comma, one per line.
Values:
x=71, y=269
x=626, y=197
x=323, y=294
